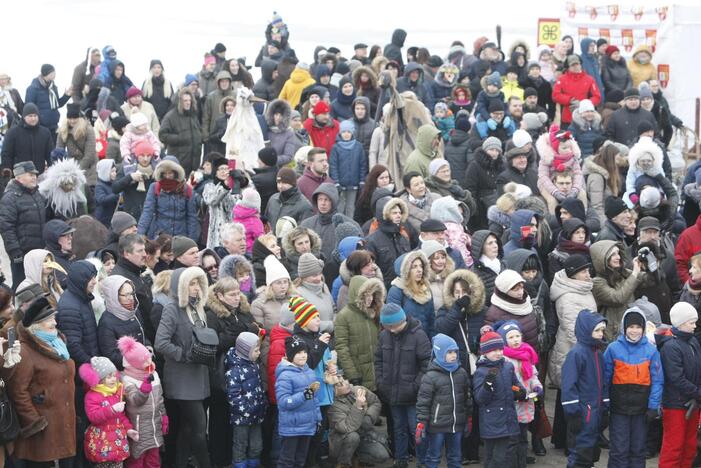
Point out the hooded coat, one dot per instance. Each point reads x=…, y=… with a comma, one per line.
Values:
x=519, y=219
x=424, y=153
x=264, y=87
x=418, y=305
x=182, y=135
x=292, y=90
x=393, y=50
x=485, y=274
x=357, y=330
x=22, y=219
x=297, y=415
x=282, y=137
x=458, y=154
x=546, y=168
x=369, y=90
x=290, y=203
x=570, y=297
x=639, y=72
x=586, y=133
x=590, y=64
x=596, y=179
x=497, y=411
x=480, y=180
x=105, y=199
x=366, y=126
x=417, y=87
x=387, y=243
x=348, y=164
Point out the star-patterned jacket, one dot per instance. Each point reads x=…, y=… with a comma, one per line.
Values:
x=244, y=390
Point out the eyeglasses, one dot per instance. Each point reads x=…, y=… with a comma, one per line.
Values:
x=211, y=267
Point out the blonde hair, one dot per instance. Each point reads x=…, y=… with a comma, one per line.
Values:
x=161, y=284
x=224, y=285
x=265, y=238
x=506, y=203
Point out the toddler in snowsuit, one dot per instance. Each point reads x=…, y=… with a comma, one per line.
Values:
x=247, y=212
x=443, y=119
x=348, y=166
x=136, y=132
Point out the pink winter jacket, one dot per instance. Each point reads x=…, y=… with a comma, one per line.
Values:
x=250, y=218
x=106, y=437
x=129, y=140
x=546, y=168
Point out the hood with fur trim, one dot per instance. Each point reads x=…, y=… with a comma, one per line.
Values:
x=389, y=206
x=220, y=309
x=222, y=103
x=347, y=276
x=282, y=107
x=477, y=293
x=523, y=44
x=371, y=74
x=546, y=152
x=228, y=265
x=359, y=289
x=590, y=167
x=440, y=277
x=365, y=102
x=641, y=48
x=580, y=122
x=168, y=165
x=402, y=267
x=289, y=248
x=187, y=275
x=645, y=146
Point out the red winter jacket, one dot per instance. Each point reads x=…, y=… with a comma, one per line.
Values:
x=574, y=86
x=275, y=355
x=689, y=243
x=322, y=137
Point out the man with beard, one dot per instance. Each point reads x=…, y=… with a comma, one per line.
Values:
x=315, y=174
x=516, y=110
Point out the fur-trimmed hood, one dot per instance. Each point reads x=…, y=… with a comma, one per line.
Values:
x=546, y=152
x=278, y=106
x=289, y=248
x=402, y=267
x=361, y=287
x=222, y=103
x=356, y=77
x=440, y=277
x=221, y=310
x=347, y=276
x=590, y=167
x=477, y=293
x=580, y=122
x=228, y=265
x=523, y=44
x=645, y=146
x=168, y=165
x=391, y=204
x=495, y=215
x=184, y=279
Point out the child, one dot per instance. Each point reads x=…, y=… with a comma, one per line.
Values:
x=679, y=352
x=490, y=93
x=106, y=442
x=348, y=166
x=462, y=100
x=510, y=84
x=444, y=120
x=402, y=355
x=524, y=359
x=145, y=405
x=247, y=212
x=645, y=157
x=444, y=404
x=558, y=153
x=495, y=389
x=246, y=399
x=105, y=199
x=634, y=372
x=137, y=131
x=298, y=410
x=585, y=398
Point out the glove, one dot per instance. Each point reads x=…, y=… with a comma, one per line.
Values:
x=118, y=407
x=420, y=433
x=308, y=393
x=634, y=198
x=468, y=427
x=519, y=393
x=492, y=124
x=7, y=173
x=604, y=420
x=12, y=356
x=164, y=424
x=146, y=386
x=507, y=121
x=574, y=422
x=490, y=380
x=463, y=302
x=539, y=391
x=652, y=415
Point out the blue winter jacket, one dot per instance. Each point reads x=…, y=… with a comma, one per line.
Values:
x=424, y=313
x=680, y=353
x=296, y=416
x=104, y=75
x=75, y=318
x=634, y=373
x=345, y=247
x=105, y=202
x=48, y=108
x=348, y=164
x=497, y=411
x=590, y=65
x=585, y=390
x=244, y=390
x=519, y=219
x=172, y=213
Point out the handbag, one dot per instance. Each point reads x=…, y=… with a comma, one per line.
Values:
x=542, y=427
x=205, y=341
x=9, y=424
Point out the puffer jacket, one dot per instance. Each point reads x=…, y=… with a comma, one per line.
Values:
x=282, y=137
x=145, y=411
x=357, y=330
x=182, y=135
x=497, y=411
x=39, y=93
x=444, y=401
x=486, y=274
x=289, y=203
x=616, y=75
x=365, y=126
x=417, y=87
x=293, y=87
x=297, y=416
x=75, y=317
x=546, y=169
x=111, y=328
x=418, y=306
x=457, y=153
x=134, y=199
x=570, y=297
x=264, y=87
x=244, y=390
x=22, y=219
x=387, y=242
x=480, y=180
x=622, y=126
x=578, y=86
x=639, y=72
x=596, y=179
x=679, y=352
x=348, y=163
x=401, y=360
x=106, y=426
x=634, y=373
x=586, y=133
x=393, y=50
x=24, y=142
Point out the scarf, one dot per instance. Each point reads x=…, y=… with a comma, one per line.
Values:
x=106, y=391
x=122, y=313
x=171, y=185
x=148, y=174
x=53, y=95
x=317, y=289
x=528, y=357
x=245, y=285
x=520, y=307
x=492, y=264
x=287, y=194
x=572, y=247
x=418, y=202
x=138, y=374
x=55, y=342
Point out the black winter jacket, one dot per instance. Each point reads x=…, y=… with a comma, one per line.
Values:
x=387, y=244
x=401, y=360
x=142, y=287
x=485, y=273
x=26, y=143
x=111, y=328
x=133, y=199
x=22, y=218
x=265, y=182
x=480, y=180
x=682, y=368
x=75, y=318
x=622, y=126
x=444, y=402
x=458, y=154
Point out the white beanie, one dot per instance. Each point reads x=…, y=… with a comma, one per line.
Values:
x=682, y=312
x=436, y=165
x=585, y=105
x=507, y=279
x=650, y=197
x=251, y=199
x=137, y=119
x=430, y=247
x=274, y=270
x=521, y=138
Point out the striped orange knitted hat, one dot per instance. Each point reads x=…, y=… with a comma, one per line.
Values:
x=303, y=310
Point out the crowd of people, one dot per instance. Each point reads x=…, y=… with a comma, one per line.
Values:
x=392, y=255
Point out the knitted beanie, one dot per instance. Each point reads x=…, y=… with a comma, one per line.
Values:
x=246, y=343
x=391, y=314
x=121, y=221
x=430, y=247
x=274, y=270
x=490, y=341
x=268, y=156
x=303, y=310
x=294, y=345
x=287, y=175
x=181, y=244
x=102, y=366
x=682, y=312
x=436, y=165
x=521, y=138
x=492, y=143
x=287, y=318
x=309, y=265
x=134, y=354
x=507, y=279
x=250, y=199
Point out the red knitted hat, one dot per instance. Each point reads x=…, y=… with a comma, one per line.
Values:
x=490, y=341
x=321, y=108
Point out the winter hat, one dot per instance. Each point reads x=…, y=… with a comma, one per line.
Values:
x=28, y=294
x=490, y=341
x=557, y=136
x=574, y=264
x=442, y=345
x=300, y=65
x=134, y=354
x=269, y=156
x=345, y=230
x=634, y=318
x=309, y=265
x=436, y=165
x=519, y=191
x=121, y=221
x=613, y=207
x=46, y=69
x=246, y=343
x=219, y=48
x=615, y=95
x=586, y=105
x=30, y=109
x=274, y=270
x=494, y=79
x=432, y=225
x=534, y=121
x=649, y=310
x=440, y=106
x=644, y=127
x=138, y=119
x=133, y=91
x=448, y=210
x=38, y=310
x=572, y=59
x=682, y=312
x=143, y=148
x=430, y=247
x=492, y=143
x=72, y=111
x=462, y=121
x=118, y=123
x=287, y=175
x=102, y=366
x=521, y=138
x=287, y=318
x=611, y=49
x=645, y=92
x=504, y=327
x=209, y=59
x=643, y=181
x=284, y=225
x=495, y=106
x=507, y=279
x=631, y=93
x=304, y=311
x=321, y=108
x=529, y=92
x=24, y=167
x=295, y=115
x=293, y=345
x=250, y=199
x=190, y=78
x=650, y=197
x=181, y=244
x=104, y=169
x=346, y=126
x=391, y=314
x=649, y=222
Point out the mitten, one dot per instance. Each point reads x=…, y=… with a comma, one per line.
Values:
x=492, y=124
x=652, y=415
x=420, y=433
x=12, y=356
x=519, y=393
x=308, y=393
x=634, y=198
x=507, y=121
x=490, y=380
x=164, y=424
x=146, y=386
x=118, y=407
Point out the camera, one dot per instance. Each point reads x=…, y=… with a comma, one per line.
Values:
x=648, y=259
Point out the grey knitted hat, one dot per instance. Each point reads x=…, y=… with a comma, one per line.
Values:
x=309, y=265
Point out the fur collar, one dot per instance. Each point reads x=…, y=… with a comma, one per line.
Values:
x=499, y=217
x=371, y=287
x=220, y=309
x=590, y=167
x=477, y=293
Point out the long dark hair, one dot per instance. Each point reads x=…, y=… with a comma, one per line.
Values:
x=374, y=50
x=370, y=186
x=243, y=75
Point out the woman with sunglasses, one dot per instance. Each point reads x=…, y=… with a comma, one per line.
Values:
x=121, y=317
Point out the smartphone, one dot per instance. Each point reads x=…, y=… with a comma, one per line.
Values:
x=10, y=337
